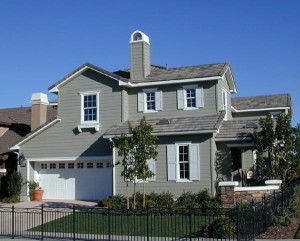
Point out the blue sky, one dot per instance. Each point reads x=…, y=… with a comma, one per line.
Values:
x=42, y=41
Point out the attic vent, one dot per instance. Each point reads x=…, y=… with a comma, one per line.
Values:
x=250, y=125
x=137, y=36
x=163, y=122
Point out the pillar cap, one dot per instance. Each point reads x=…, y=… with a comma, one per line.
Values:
x=228, y=184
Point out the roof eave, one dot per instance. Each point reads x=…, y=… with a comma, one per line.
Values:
x=56, y=88
x=230, y=80
x=171, y=133
x=260, y=109
x=172, y=81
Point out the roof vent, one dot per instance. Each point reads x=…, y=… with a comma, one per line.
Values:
x=163, y=122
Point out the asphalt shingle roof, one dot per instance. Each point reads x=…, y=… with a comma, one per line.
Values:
x=159, y=73
x=237, y=129
x=260, y=102
x=180, y=125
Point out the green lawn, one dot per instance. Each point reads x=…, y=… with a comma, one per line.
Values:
x=132, y=225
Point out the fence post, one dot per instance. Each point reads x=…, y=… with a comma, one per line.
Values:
x=190, y=223
x=109, y=230
x=147, y=213
x=42, y=221
x=238, y=221
x=13, y=221
x=253, y=219
x=74, y=223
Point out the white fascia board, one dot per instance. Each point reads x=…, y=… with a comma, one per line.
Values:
x=172, y=133
x=233, y=88
x=17, y=146
x=233, y=139
x=70, y=158
x=56, y=88
x=262, y=109
x=167, y=82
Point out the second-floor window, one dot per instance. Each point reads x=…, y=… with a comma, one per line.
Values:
x=224, y=103
x=150, y=100
x=89, y=117
x=190, y=97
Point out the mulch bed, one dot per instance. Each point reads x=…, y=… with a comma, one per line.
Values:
x=282, y=232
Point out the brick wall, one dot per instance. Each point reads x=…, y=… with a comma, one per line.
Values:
x=231, y=194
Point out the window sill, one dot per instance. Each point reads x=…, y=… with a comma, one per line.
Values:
x=95, y=126
x=191, y=108
x=150, y=111
x=182, y=180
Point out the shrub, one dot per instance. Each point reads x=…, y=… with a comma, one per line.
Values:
x=14, y=184
x=117, y=201
x=11, y=199
x=187, y=200
x=222, y=227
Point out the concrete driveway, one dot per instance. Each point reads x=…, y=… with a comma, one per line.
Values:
x=28, y=214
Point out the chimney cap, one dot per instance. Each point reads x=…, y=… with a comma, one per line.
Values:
x=139, y=36
x=39, y=98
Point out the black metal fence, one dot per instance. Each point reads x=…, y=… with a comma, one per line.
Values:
x=245, y=222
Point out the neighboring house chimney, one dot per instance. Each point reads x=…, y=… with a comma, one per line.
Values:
x=39, y=102
x=139, y=55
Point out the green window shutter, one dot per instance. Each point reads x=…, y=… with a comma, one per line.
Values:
x=158, y=100
x=141, y=102
x=151, y=166
x=199, y=97
x=194, y=154
x=180, y=99
x=172, y=165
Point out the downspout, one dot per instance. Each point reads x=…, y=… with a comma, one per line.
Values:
x=113, y=168
x=212, y=166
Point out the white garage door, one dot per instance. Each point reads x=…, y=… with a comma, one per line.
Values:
x=85, y=180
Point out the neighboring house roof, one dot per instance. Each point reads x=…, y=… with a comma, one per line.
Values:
x=261, y=102
x=158, y=74
x=237, y=130
x=18, y=120
x=174, y=125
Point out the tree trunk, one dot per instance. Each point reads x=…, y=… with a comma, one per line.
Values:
x=134, y=194
x=127, y=196
x=144, y=191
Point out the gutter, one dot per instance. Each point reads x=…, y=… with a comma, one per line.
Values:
x=170, y=133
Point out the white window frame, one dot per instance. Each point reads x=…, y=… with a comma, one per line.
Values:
x=142, y=100
x=95, y=124
x=182, y=97
x=151, y=166
x=225, y=103
x=176, y=164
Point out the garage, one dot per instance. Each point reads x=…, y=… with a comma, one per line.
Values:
x=76, y=180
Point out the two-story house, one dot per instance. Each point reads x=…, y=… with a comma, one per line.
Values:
x=204, y=134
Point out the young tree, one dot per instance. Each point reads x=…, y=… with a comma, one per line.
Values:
x=277, y=155
x=136, y=148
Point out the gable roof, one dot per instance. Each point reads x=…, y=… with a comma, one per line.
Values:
x=174, y=125
x=158, y=75
x=18, y=120
x=261, y=102
x=54, y=88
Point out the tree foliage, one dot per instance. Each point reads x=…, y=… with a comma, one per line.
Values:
x=136, y=148
x=278, y=145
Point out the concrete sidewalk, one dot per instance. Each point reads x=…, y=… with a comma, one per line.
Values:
x=51, y=203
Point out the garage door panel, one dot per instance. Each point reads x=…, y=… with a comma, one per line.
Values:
x=76, y=183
